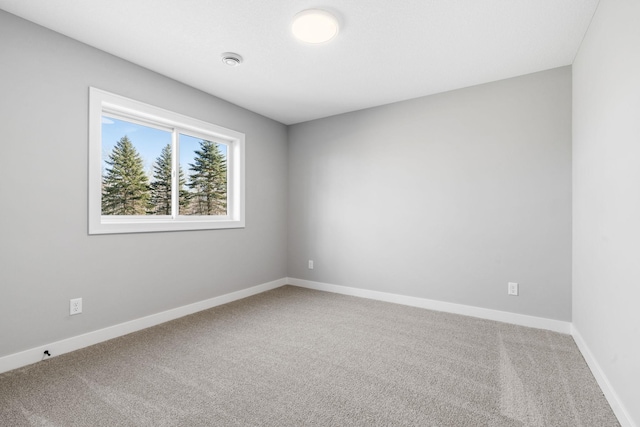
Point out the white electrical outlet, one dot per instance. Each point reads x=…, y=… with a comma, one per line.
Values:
x=310, y=264
x=75, y=306
x=513, y=289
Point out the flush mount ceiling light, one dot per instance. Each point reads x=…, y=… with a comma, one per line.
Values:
x=231, y=59
x=314, y=26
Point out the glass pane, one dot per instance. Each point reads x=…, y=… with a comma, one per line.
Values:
x=136, y=169
x=204, y=165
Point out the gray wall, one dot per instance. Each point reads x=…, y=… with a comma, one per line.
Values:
x=606, y=196
x=46, y=256
x=447, y=197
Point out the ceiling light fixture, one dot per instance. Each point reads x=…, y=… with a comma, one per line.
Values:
x=314, y=26
x=231, y=59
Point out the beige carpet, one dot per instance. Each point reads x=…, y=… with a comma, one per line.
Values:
x=296, y=357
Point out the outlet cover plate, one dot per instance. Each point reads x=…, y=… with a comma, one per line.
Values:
x=513, y=289
x=75, y=306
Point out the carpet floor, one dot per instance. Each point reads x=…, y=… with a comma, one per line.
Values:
x=298, y=357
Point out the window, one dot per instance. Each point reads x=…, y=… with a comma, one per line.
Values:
x=154, y=170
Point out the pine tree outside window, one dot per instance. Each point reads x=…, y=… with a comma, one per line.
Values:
x=154, y=170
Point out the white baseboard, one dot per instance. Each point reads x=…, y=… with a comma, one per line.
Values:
x=484, y=313
x=466, y=310
x=612, y=397
x=33, y=355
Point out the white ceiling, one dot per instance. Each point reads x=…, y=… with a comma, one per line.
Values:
x=386, y=51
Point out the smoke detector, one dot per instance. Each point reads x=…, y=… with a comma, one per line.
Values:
x=231, y=59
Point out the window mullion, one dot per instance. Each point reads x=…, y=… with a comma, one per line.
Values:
x=175, y=175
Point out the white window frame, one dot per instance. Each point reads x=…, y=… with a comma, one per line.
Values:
x=102, y=102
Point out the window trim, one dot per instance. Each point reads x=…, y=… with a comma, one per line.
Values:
x=102, y=102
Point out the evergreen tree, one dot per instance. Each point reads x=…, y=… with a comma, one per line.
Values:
x=208, y=181
x=125, y=186
x=161, y=185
